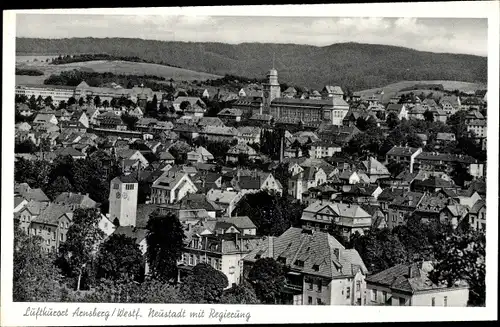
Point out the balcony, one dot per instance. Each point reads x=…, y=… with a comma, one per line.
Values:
x=293, y=287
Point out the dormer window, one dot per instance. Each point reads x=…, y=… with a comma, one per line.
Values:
x=281, y=260
x=299, y=263
x=315, y=267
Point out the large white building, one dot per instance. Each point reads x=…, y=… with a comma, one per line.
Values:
x=123, y=200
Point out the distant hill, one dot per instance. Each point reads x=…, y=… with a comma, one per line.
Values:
x=113, y=66
x=399, y=88
x=353, y=66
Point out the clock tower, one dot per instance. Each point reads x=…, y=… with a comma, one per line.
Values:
x=271, y=91
x=123, y=200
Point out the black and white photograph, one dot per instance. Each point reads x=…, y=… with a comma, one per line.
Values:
x=170, y=158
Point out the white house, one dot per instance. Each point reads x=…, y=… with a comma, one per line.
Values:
x=409, y=285
x=171, y=187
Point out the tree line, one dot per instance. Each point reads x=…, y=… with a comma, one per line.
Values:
x=66, y=59
x=28, y=72
x=95, y=79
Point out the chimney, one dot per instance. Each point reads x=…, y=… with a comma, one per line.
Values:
x=271, y=246
x=410, y=271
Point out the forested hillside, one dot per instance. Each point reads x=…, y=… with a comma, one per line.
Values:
x=351, y=65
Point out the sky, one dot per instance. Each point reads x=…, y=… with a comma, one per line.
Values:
x=452, y=35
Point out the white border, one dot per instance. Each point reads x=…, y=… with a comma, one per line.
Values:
x=12, y=313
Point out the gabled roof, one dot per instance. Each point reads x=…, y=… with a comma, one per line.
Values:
x=230, y=112
x=165, y=155
x=69, y=198
x=333, y=89
x=451, y=99
x=342, y=209
x=407, y=199
x=402, y=151
x=397, y=107
x=477, y=206
x=169, y=179
x=311, y=252
x=410, y=279
x=221, y=196
x=30, y=194
x=241, y=222
x=127, y=179
x=52, y=213
x=445, y=137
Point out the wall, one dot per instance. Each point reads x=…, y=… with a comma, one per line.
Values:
x=231, y=268
x=370, y=298
x=314, y=294
x=455, y=298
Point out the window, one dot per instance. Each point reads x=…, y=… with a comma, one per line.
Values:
x=309, y=300
x=433, y=302
x=54, y=235
x=310, y=285
x=318, y=301
x=129, y=186
x=348, y=293
x=190, y=259
x=315, y=267
x=374, y=295
x=358, y=286
x=299, y=263
x=116, y=186
x=384, y=293
x=445, y=301
x=320, y=286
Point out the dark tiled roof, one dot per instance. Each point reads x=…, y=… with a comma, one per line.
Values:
x=401, y=151
x=398, y=278
x=304, y=250
x=127, y=179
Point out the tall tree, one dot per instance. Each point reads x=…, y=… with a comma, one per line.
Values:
x=105, y=104
x=428, y=116
x=462, y=257
x=204, y=285
x=35, y=278
x=71, y=101
x=35, y=173
x=81, y=102
x=26, y=146
x=268, y=278
x=271, y=213
x=165, y=240
x=242, y=293
x=62, y=105
x=84, y=236
x=48, y=101
x=119, y=258
x=97, y=101
x=392, y=120
x=32, y=103
x=88, y=99
x=59, y=185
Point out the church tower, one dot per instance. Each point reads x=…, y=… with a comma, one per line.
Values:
x=123, y=200
x=271, y=90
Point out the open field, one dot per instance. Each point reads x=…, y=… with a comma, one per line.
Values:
x=115, y=67
x=395, y=88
